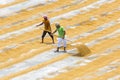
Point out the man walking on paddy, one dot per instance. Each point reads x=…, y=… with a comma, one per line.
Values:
x=47, y=28
x=61, y=36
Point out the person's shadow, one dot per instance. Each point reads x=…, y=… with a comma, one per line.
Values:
x=48, y=43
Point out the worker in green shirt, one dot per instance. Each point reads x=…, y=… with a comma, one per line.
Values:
x=61, y=36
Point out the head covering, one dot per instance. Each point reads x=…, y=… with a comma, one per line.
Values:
x=45, y=17
x=57, y=24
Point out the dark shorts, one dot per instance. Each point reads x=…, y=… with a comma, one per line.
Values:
x=44, y=33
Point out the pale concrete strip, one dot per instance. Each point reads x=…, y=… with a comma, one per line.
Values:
x=104, y=37
x=117, y=77
x=41, y=58
x=18, y=32
x=26, y=65
x=108, y=75
x=11, y=3
x=82, y=10
x=98, y=29
x=101, y=71
x=3, y=2
x=15, y=8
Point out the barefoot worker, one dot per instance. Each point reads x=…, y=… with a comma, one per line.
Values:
x=61, y=36
x=47, y=28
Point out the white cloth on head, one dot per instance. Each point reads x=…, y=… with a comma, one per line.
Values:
x=60, y=40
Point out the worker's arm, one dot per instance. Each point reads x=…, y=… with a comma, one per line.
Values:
x=54, y=31
x=40, y=24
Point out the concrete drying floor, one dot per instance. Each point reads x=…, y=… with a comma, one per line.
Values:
x=96, y=23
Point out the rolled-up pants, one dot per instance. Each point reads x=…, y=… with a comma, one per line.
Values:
x=61, y=41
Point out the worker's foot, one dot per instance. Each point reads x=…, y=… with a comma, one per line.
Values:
x=56, y=51
x=64, y=51
x=42, y=41
x=53, y=42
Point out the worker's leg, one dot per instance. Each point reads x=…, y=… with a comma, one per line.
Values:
x=64, y=44
x=43, y=35
x=59, y=44
x=51, y=36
